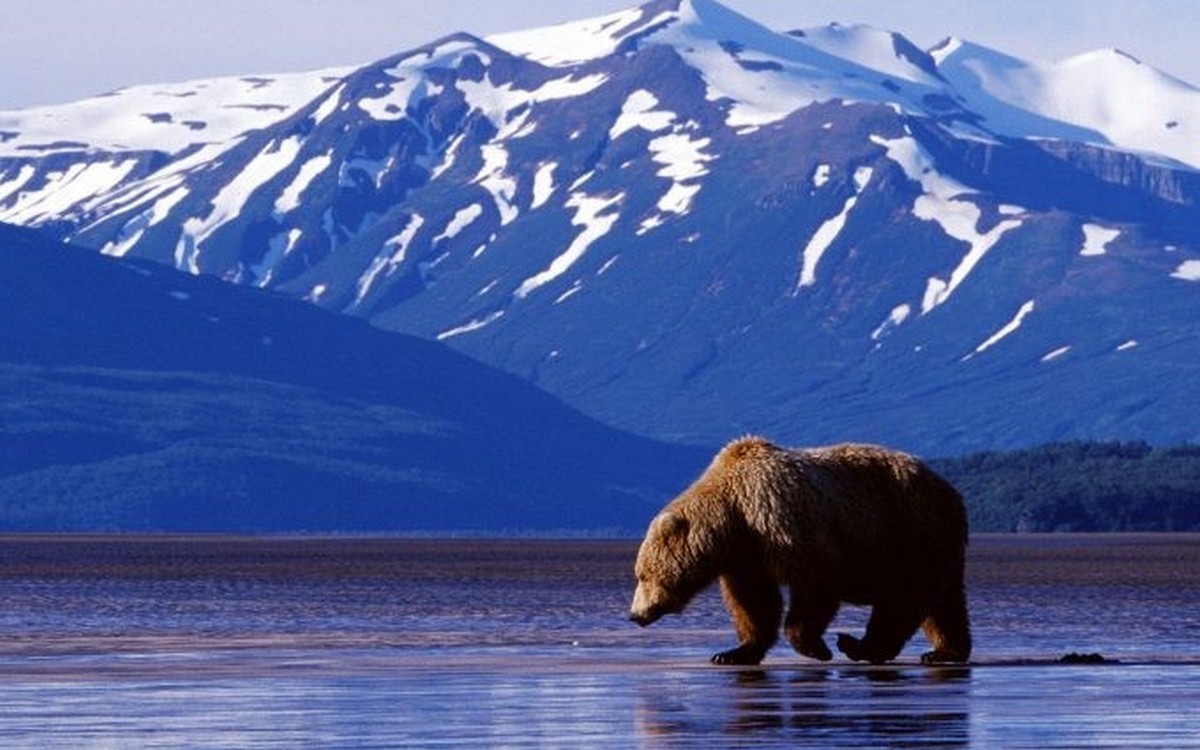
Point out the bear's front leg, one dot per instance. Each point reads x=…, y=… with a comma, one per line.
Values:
x=756, y=606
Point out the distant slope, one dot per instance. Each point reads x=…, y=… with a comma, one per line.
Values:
x=138, y=398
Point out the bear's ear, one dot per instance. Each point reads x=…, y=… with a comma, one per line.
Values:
x=672, y=524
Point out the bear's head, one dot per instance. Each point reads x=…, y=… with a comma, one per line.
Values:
x=671, y=568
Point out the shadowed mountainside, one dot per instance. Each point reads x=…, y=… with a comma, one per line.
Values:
x=139, y=398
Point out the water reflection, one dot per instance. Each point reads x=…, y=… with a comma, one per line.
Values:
x=815, y=707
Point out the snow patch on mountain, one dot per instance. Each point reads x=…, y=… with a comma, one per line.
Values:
x=942, y=201
x=389, y=259
x=449, y=156
x=394, y=101
x=133, y=229
x=69, y=192
x=278, y=248
x=494, y=178
x=463, y=218
x=895, y=319
x=228, y=203
x=574, y=288
x=329, y=104
x=497, y=102
x=13, y=185
x=473, y=325
x=1096, y=239
x=1189, y=270
x=683, y=162
x=134, y=195
x=543, y=184
x=681, y=154
x=639, y=111
x=289, y=199
x=828, y=232
x=409, y=83
x=759, y=88
x=590, y=213
x=1055, y=354
x=820, y=177
x=1006, y=330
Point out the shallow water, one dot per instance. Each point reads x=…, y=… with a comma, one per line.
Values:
x=243, y=642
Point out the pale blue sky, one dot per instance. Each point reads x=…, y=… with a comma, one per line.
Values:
x=61, y=50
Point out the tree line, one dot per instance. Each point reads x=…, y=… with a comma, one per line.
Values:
x=1080, y=487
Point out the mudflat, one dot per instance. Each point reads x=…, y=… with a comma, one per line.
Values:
x=142, y=641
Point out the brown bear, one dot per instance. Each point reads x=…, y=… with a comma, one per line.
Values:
x=848, y=523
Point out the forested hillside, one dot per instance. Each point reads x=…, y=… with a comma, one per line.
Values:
x=1081, y=486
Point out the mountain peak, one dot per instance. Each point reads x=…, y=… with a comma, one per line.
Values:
x=874, y=48
x=164, y=117
x=1104, y=97
x=577, y=42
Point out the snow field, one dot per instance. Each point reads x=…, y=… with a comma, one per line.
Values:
x=167, y=117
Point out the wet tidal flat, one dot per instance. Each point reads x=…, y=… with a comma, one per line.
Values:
x=266, y=642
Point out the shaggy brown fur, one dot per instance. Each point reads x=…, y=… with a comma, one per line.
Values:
x=849, y=523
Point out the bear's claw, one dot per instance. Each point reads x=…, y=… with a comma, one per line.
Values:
x=740, y=656
x=851, y=647
x=942, y=657
x=813, y=650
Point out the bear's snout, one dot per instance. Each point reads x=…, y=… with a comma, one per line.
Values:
x=647, y=606
x=645, y=617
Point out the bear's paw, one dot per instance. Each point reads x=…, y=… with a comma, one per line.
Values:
x=942, y=656
x=743, y=655
x=858, y=650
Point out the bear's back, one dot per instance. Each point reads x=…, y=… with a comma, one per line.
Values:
x=879, y=485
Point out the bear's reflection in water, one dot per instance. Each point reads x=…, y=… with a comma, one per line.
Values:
x=813, y=707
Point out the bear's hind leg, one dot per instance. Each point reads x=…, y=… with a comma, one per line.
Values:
x=948, y=629
x=890, y=626
x=756, y=606
x=808, y=616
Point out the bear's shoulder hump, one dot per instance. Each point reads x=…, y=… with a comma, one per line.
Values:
x=745, y=448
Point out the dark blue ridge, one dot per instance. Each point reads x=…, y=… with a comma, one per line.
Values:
x=139, y=398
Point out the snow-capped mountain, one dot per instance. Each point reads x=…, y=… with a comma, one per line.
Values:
x=691, y=226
